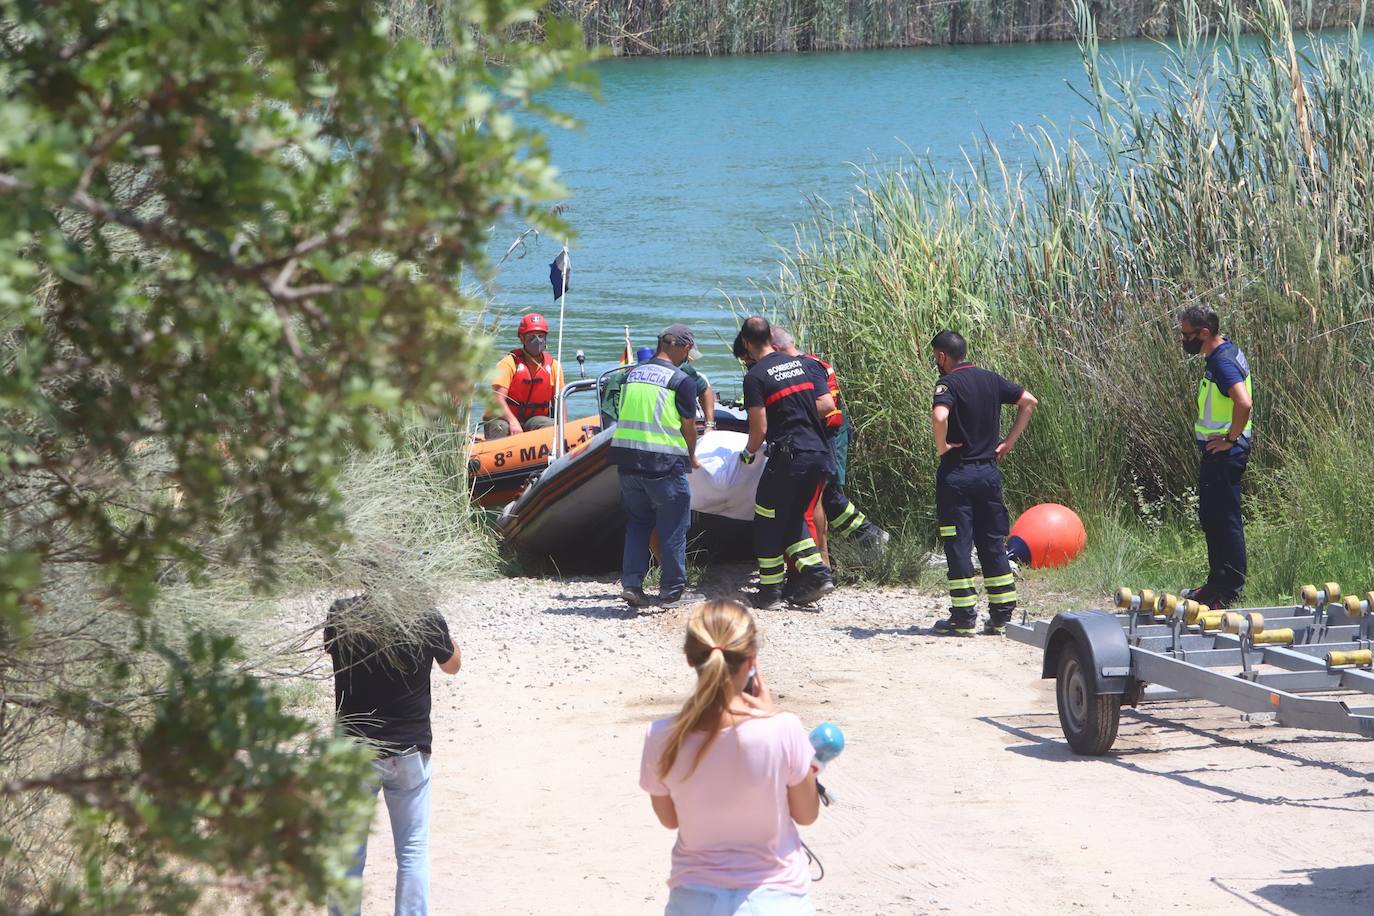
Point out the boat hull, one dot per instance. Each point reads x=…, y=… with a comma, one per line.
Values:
x=570, y=518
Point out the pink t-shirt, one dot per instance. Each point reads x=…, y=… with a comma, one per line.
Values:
x=734, y=829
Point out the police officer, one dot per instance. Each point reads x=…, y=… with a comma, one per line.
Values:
x=1223, y=435
x=654, y=449
x=706, y=397
x=781, y=399
x=966, y=419
x=844, y=517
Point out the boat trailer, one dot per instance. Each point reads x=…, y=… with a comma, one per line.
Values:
x=1265, y=662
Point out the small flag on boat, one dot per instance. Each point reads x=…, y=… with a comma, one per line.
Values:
x=560, y=272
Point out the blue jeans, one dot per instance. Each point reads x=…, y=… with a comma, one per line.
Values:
x=839, y=444
x=699, y=900
x=664, y=503
x=1218, y=510
x=404, y=783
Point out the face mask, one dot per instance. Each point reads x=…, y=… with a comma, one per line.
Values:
x=1193, y=347
x=534, y=344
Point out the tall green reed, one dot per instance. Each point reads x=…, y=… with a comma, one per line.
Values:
x=1238, y=177
x=634, y=27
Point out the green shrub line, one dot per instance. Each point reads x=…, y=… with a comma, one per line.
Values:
x=1238, y=178
x=674, y=27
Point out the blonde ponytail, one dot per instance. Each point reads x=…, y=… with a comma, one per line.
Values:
x=720, y=637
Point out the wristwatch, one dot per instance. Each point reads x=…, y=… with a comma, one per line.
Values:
x=710, y=424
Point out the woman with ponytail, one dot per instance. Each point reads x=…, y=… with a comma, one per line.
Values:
x=733, y=776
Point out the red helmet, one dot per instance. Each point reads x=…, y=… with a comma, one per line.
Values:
x=531, y=323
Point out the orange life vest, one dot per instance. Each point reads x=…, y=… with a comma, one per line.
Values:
x=531, y=393
x=835, y=419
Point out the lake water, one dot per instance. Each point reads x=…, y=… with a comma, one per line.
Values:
x=691, y=172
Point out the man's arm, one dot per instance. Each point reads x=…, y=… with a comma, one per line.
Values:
x=1240, y=412
x=939, y=425
x=708, y=406
x=758, y=429
x=455, y=661
x=1024, y=405
x=689, y=432
x=506, y=412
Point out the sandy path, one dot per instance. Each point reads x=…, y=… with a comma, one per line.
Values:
x=956, y=792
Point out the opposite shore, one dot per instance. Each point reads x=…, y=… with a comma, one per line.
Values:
x=640, y=28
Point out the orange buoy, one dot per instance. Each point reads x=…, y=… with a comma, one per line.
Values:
x=1052, y=534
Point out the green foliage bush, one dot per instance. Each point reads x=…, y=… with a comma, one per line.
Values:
x=231, y=238
x=1238, y=179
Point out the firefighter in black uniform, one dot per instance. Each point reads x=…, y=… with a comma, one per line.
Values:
x=844, y=517
x=966, y=419
x=780, y=396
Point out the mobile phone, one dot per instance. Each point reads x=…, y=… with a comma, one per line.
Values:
x=749, y=686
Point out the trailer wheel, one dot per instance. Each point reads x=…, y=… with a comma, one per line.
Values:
x=1089, y=718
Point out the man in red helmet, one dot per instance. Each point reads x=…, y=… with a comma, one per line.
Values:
x=526, y=381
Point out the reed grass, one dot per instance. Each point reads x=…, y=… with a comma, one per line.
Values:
x=1238, y=177
x=651, y=27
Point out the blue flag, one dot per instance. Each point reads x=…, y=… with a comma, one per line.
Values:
x=560, y=272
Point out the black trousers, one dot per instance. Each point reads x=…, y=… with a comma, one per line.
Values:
x=972, y=516
x=1218, y=511
x=787, y=493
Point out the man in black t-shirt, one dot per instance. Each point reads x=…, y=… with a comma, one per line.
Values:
x=781, y=398
x=381, y=695
x=966, y=417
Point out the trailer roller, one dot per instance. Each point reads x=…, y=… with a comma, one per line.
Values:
x=1358, y=658
x=1311, y=596
x=1359, y=607
x=1210, y=620
x=1193, y=612
x=1252, y=623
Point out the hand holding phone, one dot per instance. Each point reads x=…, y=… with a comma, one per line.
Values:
x=756, y=694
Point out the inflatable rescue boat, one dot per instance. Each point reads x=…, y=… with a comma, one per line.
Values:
x=570, y=515
x=498, y=469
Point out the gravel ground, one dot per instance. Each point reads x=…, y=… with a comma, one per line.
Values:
x=955, y=793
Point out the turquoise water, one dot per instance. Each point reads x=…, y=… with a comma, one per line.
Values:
x=691, y=172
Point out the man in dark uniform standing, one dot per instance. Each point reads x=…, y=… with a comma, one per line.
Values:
x=781, y=398
x=966, y=419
